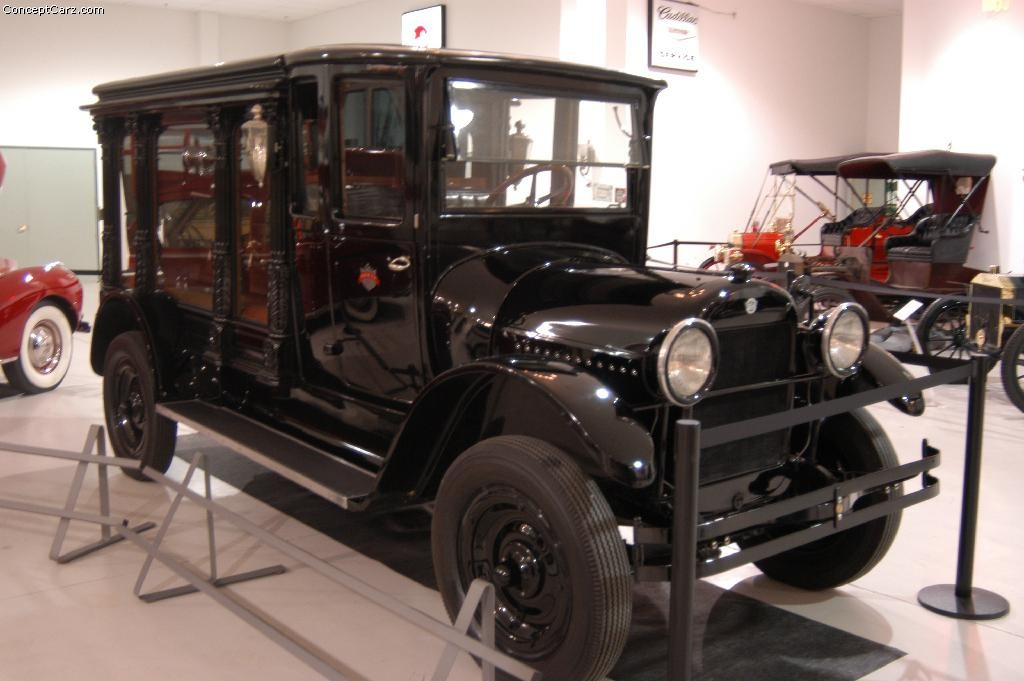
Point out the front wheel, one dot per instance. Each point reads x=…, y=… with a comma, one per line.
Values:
x=44, y=355
x=849, y=443
x=1013, y=368
x=129, y=406
x=522, y=515
x=942, y=331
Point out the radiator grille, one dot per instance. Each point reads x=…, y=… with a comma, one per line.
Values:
x=754, y=354
x=748, y=355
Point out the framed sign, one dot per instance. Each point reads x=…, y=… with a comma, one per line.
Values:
x=424, y=27
x=674, y=38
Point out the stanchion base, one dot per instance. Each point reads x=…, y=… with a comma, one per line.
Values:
x=980, y=605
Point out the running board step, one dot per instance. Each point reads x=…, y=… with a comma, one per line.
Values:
x=321, y=473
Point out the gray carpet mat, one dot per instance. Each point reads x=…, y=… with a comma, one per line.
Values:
x=737, y=638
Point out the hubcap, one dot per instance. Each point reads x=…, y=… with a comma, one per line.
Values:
x=44, y=347
x=506, y=539
x=129, y=407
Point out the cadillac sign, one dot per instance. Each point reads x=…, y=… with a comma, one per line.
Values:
x=674, y=41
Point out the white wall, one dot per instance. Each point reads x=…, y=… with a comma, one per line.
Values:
x=52, y=63
x=523, y=27
x=960, y=88
x=780, y=80
x=885, y=45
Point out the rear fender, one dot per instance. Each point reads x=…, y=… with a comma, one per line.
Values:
x=552, y=401
x=119, y=313
x=878, y=369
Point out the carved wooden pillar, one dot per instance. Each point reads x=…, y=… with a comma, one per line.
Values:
x=147, y=134
x=222, y=123
x=110, y=132
x=278, y=269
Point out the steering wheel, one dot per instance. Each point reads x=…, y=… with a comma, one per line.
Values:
x=556, y=198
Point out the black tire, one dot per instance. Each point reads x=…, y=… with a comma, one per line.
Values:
x=522, y=514
x=851, y=442
x=44, y=352
x=136, y=431
x=1013, y=368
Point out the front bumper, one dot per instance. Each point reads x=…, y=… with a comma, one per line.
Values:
x=831, y=507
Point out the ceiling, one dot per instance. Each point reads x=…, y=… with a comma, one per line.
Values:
x=291, y=10
x=864, y=8
x=286, y=10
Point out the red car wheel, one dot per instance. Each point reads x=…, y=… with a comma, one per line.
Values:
x=44, y=354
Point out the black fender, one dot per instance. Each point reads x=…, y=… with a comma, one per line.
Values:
x=120, y=312
x=552, y=401
x=879, y=368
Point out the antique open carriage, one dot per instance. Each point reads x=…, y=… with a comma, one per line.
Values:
x=769, y=233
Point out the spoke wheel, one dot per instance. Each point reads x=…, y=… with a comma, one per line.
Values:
x=943, y=332
x=521, y=514
x=44, y=355
x=1013, y=368
x=129, y=406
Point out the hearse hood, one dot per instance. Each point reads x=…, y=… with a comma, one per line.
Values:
x=584, y=298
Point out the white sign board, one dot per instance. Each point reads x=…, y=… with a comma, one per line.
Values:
x=423, y=27
x=674, y=36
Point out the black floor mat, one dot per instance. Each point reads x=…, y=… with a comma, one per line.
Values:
x=738, y=638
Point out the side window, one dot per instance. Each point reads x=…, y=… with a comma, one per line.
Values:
x=129, y=213
x=253, y=192
x=307, y=119
x=185, y=210
x=373, y=149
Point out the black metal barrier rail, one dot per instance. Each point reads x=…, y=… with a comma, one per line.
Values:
x=960, y=600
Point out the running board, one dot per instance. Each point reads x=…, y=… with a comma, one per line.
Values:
x=321, y=473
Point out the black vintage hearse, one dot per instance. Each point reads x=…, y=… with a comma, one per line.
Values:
x=404, y=277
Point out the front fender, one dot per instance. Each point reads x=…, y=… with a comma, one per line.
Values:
x=21, y=290
x=878, y=369
x=552, y=401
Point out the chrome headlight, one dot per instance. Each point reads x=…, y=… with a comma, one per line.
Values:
x=687, y=361
x=844, y=338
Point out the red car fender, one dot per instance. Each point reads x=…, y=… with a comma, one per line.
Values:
x=22, y=289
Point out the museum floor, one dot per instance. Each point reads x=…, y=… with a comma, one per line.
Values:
x=81, y=622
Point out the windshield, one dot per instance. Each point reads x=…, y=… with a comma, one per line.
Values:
x=531, y=150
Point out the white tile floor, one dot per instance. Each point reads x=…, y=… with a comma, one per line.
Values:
x=81, y=621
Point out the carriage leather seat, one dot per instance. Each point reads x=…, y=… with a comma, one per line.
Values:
x=935, y=239
x=858, y=218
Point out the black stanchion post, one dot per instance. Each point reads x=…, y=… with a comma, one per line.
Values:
x=684, y=550
x=962, y=600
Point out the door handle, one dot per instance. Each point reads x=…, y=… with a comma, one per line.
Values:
x=22, y=229
x=399, y=264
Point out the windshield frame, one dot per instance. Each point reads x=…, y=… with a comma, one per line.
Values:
x=548, y=87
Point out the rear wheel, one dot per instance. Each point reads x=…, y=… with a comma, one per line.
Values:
x=521, y=514
x=129, y=406
x=44, y=354
x=1013, y=368
x=849, y=443
x=942, y=331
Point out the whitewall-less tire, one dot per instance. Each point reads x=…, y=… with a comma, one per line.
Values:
x=44, y=355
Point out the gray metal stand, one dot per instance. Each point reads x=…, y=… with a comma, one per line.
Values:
x=94, y=440
x=153, y=549
x=481, y=596
x=963, y=600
